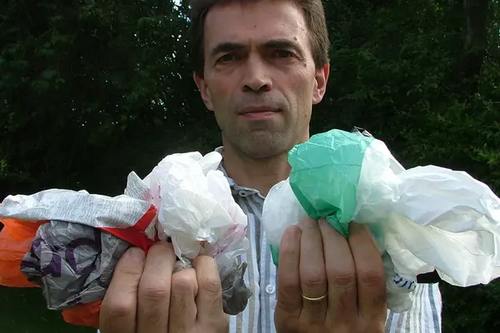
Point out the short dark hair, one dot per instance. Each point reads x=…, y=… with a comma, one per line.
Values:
x=314, y=14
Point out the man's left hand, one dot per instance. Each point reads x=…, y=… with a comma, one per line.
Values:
x=330, y=284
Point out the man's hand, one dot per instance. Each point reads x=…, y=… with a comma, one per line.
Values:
x=145, y=297
x=196, y=300
x=327, y=283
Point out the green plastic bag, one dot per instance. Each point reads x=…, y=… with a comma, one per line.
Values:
x=325, y=174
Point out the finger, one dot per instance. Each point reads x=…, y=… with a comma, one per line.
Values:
x=289, y=302
x=182, y=301
x=154, y=289
x=119, y=306
x=370, y=274
x=209, y=298
x=341, y=275
x=312, y=273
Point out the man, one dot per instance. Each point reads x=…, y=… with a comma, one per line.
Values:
x=260, y=66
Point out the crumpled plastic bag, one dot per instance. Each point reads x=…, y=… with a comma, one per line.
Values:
x=423, y=219
x=69, y=242
x=195, y=205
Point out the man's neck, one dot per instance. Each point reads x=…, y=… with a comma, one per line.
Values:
x=261, y=174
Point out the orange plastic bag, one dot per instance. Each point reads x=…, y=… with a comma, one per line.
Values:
x=83, y=315
x=15, y=242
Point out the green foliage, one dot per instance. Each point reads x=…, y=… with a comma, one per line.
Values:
x=91, y=90
x=471, y=310
x=84, y=82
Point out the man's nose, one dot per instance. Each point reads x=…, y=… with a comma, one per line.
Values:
x=256, y=77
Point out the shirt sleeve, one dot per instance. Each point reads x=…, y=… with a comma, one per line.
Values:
x=423, y=317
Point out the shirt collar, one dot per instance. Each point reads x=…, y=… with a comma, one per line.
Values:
x=236, y=189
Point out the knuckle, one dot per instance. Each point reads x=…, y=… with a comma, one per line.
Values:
x=183, y=283
x=314, y=280
x=371, y=276
x=117, y=309
x=343, y=279
x=211, y=284
x=155, y=292
x=287, y=288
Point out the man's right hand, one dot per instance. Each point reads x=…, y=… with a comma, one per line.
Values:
x=145, y=297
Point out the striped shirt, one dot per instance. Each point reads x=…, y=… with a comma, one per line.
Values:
x=258, y=317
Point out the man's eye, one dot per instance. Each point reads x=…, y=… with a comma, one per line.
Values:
x=227, y=57
x=283, y=54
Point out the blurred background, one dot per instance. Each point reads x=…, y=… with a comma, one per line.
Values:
x=92, y=90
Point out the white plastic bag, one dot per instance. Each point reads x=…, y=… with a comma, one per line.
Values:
x=195, y=205
x=424, y=218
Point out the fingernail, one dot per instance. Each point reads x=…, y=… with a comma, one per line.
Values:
x=308, y=222
x=136, y=253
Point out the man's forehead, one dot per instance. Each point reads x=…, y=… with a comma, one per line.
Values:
x=243, y=22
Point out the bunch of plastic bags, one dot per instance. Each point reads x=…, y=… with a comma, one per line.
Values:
x=423, y=219
x=68, y=242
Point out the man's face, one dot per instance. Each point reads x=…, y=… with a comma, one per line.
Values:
x=260, y=79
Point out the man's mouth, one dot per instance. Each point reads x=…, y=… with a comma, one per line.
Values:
x=258, y=112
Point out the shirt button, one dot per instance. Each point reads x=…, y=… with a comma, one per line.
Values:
x=270, y=289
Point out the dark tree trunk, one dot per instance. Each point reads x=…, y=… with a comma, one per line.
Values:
x=475, y=42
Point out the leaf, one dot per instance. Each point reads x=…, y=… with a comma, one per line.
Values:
x=48, y=74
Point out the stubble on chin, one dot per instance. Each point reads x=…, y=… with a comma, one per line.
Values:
x=261, y=144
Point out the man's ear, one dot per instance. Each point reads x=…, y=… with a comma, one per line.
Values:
x=204, y=91
x=321, y=80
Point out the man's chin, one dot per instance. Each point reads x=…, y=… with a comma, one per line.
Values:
x=264, y=149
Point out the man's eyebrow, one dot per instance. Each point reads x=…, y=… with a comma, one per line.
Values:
x=226, y=47
x=284, y=43
x=281, y=43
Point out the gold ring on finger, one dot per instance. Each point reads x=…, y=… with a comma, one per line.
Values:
x=314, y=299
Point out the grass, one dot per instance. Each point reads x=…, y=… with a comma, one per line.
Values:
x=23, y=310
